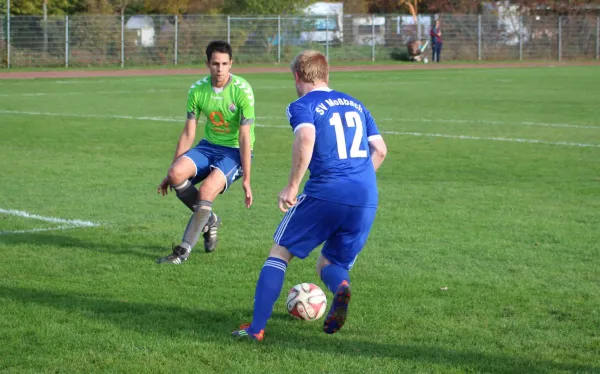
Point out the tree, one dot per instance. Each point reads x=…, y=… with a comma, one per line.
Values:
x=451, y=6
x=264, y=7
x=54, y=7
x=569, y=7
x=356, y=6
x=412, y=5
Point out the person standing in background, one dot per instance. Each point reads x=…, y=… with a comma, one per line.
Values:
x=436, y=42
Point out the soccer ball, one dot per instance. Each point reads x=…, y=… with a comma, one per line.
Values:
x=425, y=60
x=306, y=301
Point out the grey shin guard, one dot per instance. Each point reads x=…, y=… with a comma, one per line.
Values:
x=195, y=226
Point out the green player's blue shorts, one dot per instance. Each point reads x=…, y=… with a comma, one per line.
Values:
x=208, y=156
x=309, y=223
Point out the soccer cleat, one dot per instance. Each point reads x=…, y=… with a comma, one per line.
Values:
x=178, y=256
x=339, y=309
x=243, y=333
x=210, y=234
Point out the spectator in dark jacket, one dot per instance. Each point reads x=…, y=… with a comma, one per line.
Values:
x=436, y=42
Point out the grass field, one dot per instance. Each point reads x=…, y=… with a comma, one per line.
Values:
x=491, y=188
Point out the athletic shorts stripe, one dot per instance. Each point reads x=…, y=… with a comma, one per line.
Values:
x=286, y=219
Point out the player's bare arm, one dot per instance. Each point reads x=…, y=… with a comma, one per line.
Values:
x=246, y=159
x=378, y=151
x=302, y=151
x=186, y=139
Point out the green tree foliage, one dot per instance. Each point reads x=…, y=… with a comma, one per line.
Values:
x=55, y=7
x=264, y=7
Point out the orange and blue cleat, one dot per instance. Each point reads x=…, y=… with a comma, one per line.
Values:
x=244, y=333
x=339, y=309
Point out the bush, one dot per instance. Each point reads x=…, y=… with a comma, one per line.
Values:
x=399, y=54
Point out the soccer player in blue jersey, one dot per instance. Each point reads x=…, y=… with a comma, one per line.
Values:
x=338, y=141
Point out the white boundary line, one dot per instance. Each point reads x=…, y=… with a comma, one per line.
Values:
x=34, y=94
x=58, y=228
x=499, y=139
x=474, y=121
x=119, y=92
x=67, y=223
x=465, y=121
x=448, y=136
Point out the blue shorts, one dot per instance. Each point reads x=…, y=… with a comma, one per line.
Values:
x=343, y=228
x=208, y=156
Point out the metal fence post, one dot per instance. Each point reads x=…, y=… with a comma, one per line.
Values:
x=229, y=29
x=122, y=41
x=176, y=40
x=479, y=56
x=559, y=38
x=327, y=37
x=373, y=37
x=597, y=38
x=8, y=34
x=419, y=27
x=278, y=39
x=66, y=41
x=521, y=38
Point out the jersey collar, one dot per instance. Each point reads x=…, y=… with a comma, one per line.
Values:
x=225, y=86
x=325, y=89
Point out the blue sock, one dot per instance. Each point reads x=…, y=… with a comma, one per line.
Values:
x=333, y=275
x=267, y=292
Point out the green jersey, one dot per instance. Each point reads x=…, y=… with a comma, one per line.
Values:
x=226, y=110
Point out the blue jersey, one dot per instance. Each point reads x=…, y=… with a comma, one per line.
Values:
x=341, y=169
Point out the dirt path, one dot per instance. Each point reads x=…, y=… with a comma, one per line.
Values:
x=278, y=69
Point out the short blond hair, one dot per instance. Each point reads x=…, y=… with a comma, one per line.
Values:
x=311, y=66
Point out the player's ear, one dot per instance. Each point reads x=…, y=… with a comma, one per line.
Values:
x=296, y=78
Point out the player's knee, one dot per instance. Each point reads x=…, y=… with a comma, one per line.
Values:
x=176, y=176
x=280, y=252
x=321, y=263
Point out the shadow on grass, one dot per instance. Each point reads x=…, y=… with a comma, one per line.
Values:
x=117, y=245
x=171, y=320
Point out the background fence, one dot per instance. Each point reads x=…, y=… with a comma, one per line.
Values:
x=86, y=40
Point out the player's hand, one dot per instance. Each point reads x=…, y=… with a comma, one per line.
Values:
x=248, y=193
x=163, y=187
x=287, y=198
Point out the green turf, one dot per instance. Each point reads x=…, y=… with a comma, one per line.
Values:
x=284, y=63
x=510, y=228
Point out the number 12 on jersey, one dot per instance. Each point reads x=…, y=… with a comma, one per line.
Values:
x=352, y=120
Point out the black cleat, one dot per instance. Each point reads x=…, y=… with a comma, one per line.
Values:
x=210, y=234
x=179, y=256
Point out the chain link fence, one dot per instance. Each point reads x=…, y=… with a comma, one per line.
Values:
x=92, y=40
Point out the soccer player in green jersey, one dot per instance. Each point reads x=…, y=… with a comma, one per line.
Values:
x=222, y=157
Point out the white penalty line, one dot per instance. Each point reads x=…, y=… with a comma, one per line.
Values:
x=57, y=228
x=406, y=133
x=66, y=223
